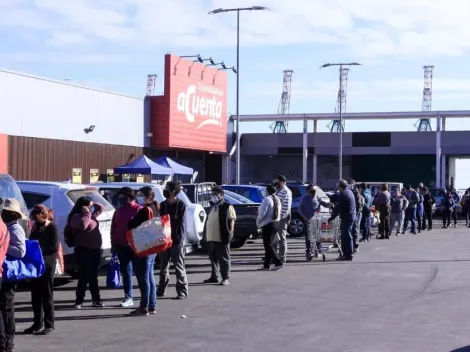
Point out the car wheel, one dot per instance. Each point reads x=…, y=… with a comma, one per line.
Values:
x=238, y=242
x=296, y=227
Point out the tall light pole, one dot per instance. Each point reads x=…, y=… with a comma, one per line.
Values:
x=237, y=132
x=340, y=171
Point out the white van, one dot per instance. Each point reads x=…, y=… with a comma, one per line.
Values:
x=195, y=214
x=61, y=197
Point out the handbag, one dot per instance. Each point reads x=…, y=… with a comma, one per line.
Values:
x=113, y=278
x=59, y=267
x=151, y=237
x=31, y=266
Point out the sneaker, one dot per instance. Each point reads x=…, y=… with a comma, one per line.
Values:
x=211, y=280
x=277, y=267
x=98, y=304
x=77, y=306
x=181, y=296
x=224, y=282
x=33, y=330
x=160, y=294
x=128, y=302
x=140, y=312
x=46, y=331
x=152, y=310
x=355, y=250
x=455, y=226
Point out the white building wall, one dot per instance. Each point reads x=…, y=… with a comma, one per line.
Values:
x=37, y=107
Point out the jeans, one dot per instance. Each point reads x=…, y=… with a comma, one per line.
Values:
x=446, y=214
x=356, y=228
x=397, y=218
x=219, y=255
x=347, y=224
x=454, y=216
x=7, y=316
x=283, y=224
x=42, y=298
x=270, y=254
x=146, y=280
x=419, y=218
x=427, y=217
x=126, y=256
x=176, y=255
x=410, y=215
x=365, y=222
x=88, y=262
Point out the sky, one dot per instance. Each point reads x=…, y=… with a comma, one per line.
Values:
x=114, y=44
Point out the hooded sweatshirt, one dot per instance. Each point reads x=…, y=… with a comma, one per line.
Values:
x=121, y=219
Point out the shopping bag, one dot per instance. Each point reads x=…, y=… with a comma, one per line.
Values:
x=151, y=237
x=31, y=266
x=59, y=267
x=113, y=278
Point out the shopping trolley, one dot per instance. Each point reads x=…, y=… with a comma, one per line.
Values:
x=326, y=234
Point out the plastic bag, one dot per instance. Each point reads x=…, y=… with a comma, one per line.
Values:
x=151, y=237
x=59, y=267
x=31, y=266
x=113, y=278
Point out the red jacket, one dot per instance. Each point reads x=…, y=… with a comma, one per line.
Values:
x=121, y=219
x=4, y=243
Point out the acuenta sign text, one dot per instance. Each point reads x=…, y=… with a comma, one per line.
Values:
x=194, y=105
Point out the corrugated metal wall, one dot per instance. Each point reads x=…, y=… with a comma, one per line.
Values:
x=53, y=160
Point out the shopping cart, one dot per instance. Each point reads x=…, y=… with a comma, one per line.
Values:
x=326, y=234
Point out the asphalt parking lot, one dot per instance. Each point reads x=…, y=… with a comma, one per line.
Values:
x=404, y=294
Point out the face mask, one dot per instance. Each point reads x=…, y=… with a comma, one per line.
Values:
x=92, y=209
x=166, y=193
x=141, y=200
x=122, y=201
x=215, y=199
x=312, y=194
x=276, y=184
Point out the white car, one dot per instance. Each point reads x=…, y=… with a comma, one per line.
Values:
x=61, y=197
x=195, y=214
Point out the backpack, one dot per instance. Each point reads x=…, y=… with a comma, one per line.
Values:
x=69, y=236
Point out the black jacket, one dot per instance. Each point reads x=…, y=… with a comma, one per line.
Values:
x=346, y=205
x=177, y=212
x=428, y=201
x=147, y=212
x=48, y=238
x=225, y=234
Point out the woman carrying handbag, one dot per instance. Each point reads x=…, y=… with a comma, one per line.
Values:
x=42, y=288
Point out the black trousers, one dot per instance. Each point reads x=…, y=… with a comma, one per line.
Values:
x=219, y=255
x=88, y=262
x=454, y=216
x=384, y=225
x=270, y=254
x=446, y=214
x=427, y=218
x=42, y=298
x=7, y=318
x=419, y=219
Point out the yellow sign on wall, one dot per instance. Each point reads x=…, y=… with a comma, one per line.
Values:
x=94, y=175
x=77, y=175
x=126, y=177
x=110, y=175
x=139, y=178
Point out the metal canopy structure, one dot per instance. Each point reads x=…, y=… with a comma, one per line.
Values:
x=440, y=116
x=357, y=116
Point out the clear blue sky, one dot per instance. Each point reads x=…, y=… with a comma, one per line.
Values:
x=114, y=44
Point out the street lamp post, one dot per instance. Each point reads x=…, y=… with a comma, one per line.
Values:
x=340, y=171
x=237, y=131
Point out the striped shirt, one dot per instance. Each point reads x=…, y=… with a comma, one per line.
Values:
x=285, y=196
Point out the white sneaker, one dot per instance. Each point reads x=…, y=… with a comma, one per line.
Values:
x=128, y=302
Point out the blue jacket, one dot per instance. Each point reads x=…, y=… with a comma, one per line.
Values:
x=346, y=206
x=448, y=203
x=456, y=198
x=309, y=206
x=420, y=205
x=367, y=198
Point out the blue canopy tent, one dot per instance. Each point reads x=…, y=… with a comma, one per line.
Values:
x=143, y=165
x=177, y=169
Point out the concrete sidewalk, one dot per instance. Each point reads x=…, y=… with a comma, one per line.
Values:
x=403, y=294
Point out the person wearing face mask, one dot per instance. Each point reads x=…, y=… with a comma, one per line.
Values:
x=16, y=248
x=144, y=266
x=285, y=196
x=42, y=288
x=398, y=204
x=308, y=207
x=219, y=230
x=176, y=209
x=428, y=204
x=122, y=216
x=85, y=227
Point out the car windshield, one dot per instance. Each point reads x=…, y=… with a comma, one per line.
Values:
x=95, y=196
x=238, y=197
x=231, y=200
x=262, y=192
x=9, y=189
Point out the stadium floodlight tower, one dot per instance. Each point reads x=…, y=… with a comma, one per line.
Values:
x=284, y=103
x=341, y=65
x=238, y=10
